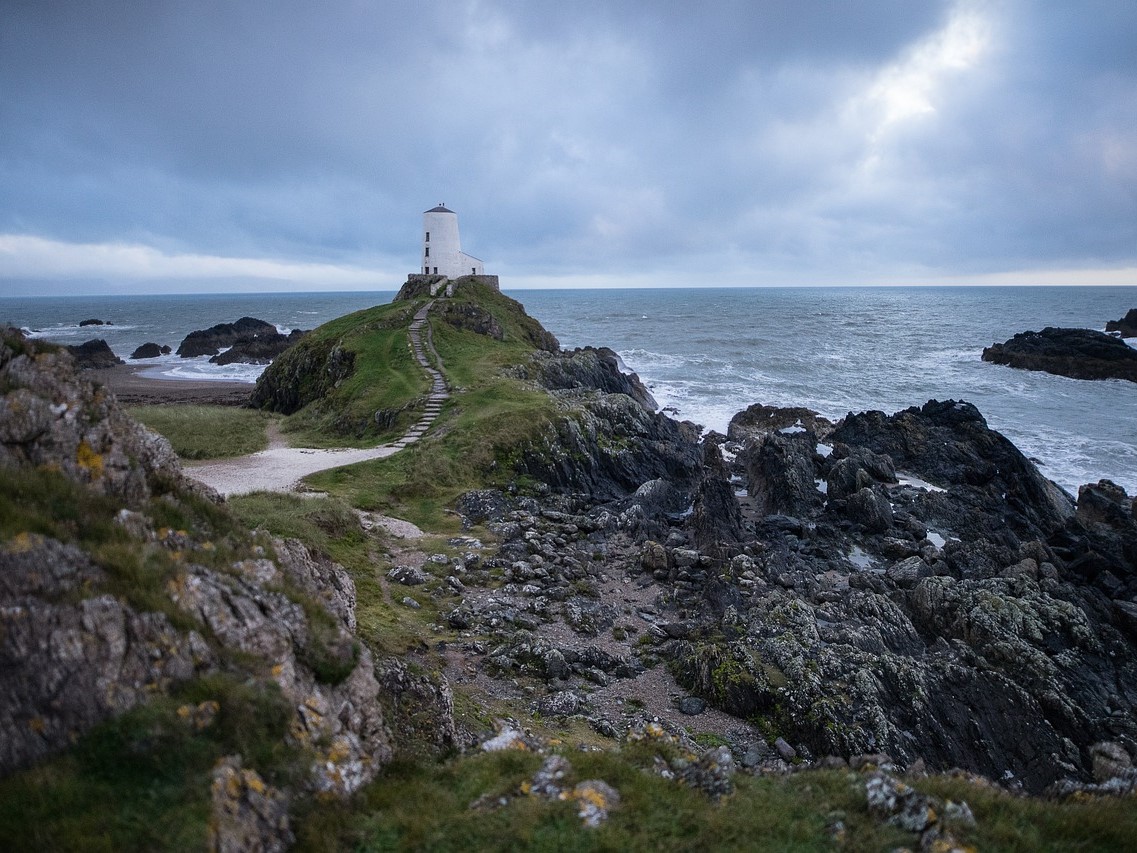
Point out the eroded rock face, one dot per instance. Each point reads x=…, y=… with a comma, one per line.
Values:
x=51, y=417
x=597, y=369
x=68, y=665
x=610, y=446
x=1078, y=353
x=73, y=654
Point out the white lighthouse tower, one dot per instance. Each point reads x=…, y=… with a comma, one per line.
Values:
x=441, y=249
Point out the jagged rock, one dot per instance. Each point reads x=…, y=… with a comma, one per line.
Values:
x=870, y=509
x=94, y=355
x=1077, y=353
x=609, y=447
x=149, y=350
x=781, y=474
x=950, y=445
x=210, y=341
x=716, y=522
x=49, y=417
x=93, y=322
x=259, y=348
x=589, y=368
x=1126, y=326
x=246, y=814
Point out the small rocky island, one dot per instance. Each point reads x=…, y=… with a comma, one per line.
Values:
x=619, y=604
x=1077, y=353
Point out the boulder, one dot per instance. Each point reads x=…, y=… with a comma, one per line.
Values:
x=1077, y=353
x=94, y=355
x=1126, y=326
x=93, y=322
x=149, y=350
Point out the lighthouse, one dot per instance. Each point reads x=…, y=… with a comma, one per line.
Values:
x=442, y=249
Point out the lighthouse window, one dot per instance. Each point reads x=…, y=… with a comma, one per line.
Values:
x=436, y=270
x=428, y=251
x=427, y=236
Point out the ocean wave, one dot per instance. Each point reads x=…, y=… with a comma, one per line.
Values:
x=200, y=369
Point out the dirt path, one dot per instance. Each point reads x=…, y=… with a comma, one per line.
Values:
x=281, y=468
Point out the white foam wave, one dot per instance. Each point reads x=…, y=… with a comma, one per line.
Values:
x=200, y=369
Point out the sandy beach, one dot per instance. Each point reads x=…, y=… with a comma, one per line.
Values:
x=132, y=388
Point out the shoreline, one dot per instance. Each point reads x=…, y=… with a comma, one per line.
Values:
x=132, y=388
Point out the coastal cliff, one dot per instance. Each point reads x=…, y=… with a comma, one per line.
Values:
x=831, y=605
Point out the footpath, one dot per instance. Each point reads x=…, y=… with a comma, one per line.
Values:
x=280, y=469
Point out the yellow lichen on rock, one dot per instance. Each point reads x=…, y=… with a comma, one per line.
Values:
x=89, y=460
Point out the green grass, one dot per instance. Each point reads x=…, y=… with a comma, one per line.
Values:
x=141, y=781
x=207, y=432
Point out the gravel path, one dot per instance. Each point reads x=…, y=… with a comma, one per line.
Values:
x=280, y=469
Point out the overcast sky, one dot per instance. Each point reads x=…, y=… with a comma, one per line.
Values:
x=272, y=144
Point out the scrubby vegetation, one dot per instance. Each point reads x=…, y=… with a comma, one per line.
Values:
x=207, y=432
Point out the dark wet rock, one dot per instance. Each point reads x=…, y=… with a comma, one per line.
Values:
x=210, y=341
x=149, y=350
x=870, y=509
x=611, y=446
x=758, y=420
x=258, y=348
x=781, y=474
x=1077, y=353
x=948, y=444
x=692, y=706
x=1126, y=326
x=94, y=355
x=716, y=521
x=587, y=368
x=93, y=322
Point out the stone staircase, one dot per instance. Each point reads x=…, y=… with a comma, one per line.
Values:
x=421, y=344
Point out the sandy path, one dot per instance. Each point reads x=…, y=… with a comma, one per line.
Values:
x=281, y=468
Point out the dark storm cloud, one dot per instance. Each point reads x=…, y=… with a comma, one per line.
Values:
x=812, y=139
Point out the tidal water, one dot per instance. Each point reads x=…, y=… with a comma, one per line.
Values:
x=707, y=353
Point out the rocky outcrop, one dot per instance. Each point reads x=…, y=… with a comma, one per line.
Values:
x=68, y=665
x=302, y=375
x=1077, y=353
x=1016, y=621
x=1126, y=326
x=83, y=638
x=94, y=355
x=210, y=341
x=259, y=348
x=598, y=369
x=50, y=417
x=609, y=445
x=149, y=350
x=93, y=322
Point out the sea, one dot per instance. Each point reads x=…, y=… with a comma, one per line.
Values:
x=707, y=353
